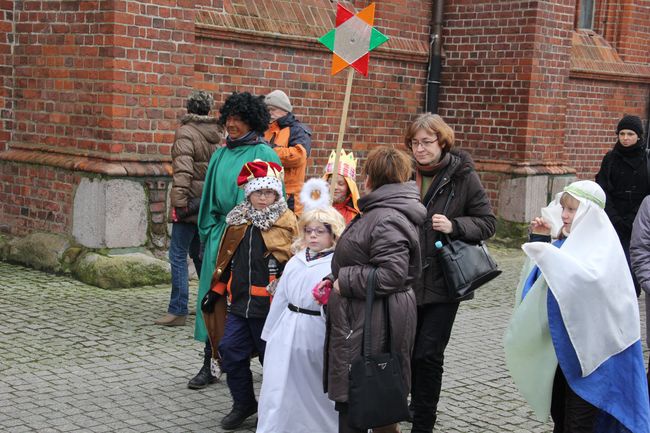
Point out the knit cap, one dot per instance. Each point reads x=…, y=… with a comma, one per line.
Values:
x=633, y=123
x=278, y=99
x=258, y=174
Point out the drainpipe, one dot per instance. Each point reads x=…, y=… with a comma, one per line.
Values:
x=435, y=57
x=647, y=125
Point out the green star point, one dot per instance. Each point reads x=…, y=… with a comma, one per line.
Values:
x=328, y=39
x=376, y=39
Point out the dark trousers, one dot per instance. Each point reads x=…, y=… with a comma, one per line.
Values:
x=433, y=332
x=241, y=339
x=570, y=413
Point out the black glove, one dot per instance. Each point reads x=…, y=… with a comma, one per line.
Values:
x=182, y=212
x=209, y=301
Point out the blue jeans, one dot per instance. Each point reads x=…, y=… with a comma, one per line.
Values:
x=241, y=339
x=185, y=239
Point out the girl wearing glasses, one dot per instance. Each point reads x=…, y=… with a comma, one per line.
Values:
x=292, y=397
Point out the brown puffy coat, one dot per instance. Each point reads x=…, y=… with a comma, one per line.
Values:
x=469, y=212
x=194, y=143
x=385, y=236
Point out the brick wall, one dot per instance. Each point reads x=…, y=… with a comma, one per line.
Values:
x=6, y=72
x=381, y=104
x=36, y=198
x=594, y=109
x=101, y=78
x=506, y=64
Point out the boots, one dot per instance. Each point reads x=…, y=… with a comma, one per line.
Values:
x=237, y=416
x=171, y=320
x=204, y=377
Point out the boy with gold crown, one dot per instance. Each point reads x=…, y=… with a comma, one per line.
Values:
x=346, y=192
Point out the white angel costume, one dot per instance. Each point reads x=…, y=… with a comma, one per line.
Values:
x=576, y=306
x=292, y=398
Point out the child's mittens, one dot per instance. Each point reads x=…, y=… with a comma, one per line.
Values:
x=273, y=285
x=321, y=291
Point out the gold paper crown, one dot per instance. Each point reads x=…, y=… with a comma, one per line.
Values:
x=347, y=164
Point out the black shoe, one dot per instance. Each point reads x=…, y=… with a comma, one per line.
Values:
x=237, y=416
x=202, y=379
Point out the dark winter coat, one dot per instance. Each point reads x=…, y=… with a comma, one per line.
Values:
x=623, y=175
x=385, y=236
x=469, y=212
x=194, y=143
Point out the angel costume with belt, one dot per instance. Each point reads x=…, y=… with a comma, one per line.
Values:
x=576, y=306
x=292, y=398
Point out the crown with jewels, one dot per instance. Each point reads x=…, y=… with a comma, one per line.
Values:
x=347, y=164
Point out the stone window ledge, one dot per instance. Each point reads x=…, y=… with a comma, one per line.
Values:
x=90, y=165
x=592, y=57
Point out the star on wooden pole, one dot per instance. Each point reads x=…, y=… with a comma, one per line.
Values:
x=352, y=39
x=350, y=42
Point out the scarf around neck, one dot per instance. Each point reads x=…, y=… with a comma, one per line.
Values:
x=633, y=151
x=263, y=219
x=430, y=170
x=246, y=140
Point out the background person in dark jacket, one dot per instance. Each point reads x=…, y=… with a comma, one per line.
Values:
x=291, y=140
x=623, y=175
x=385, y=237
x=195, y=142
x=439, y=171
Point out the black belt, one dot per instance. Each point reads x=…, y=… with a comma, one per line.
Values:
x=303, y=310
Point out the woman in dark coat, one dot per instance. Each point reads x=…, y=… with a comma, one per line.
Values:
x=385, y=237
x=439, y=171
x=623, y=175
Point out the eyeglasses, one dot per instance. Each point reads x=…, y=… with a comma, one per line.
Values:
x=319, y=231
x=423, y=143
x=264, y=192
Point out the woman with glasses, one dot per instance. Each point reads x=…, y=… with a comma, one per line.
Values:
x=457, y=206
x=384, y=237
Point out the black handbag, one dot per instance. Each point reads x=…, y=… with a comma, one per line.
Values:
x=465, y=266
x=377, y=394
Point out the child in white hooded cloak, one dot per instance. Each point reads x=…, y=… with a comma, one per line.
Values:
x=292, y=399
x=573, y=344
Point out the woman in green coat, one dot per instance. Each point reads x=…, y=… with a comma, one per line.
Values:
x=245, y=118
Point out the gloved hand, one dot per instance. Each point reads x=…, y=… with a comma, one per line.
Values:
x=321, y=291
x=209, y=301
x=182, y=212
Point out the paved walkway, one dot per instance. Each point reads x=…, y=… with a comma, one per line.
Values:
x=75, y=358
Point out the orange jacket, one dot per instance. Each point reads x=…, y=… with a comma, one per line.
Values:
x=292, y=142
x=346, y=210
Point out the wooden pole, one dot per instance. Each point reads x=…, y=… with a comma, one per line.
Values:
x=339, y=143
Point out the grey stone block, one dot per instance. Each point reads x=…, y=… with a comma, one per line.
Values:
x=110, y=213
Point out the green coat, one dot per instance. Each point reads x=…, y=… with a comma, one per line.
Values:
x=220, y=195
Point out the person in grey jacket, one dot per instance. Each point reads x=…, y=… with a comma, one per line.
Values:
x=640, y=258
x=442, y=173
x=385, y=237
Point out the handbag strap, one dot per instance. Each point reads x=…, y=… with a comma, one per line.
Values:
x=444, y=211
x=367, y=325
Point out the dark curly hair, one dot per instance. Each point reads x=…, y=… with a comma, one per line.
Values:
x=251, y=109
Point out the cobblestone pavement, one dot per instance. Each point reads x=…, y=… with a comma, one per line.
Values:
x=75, y=358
